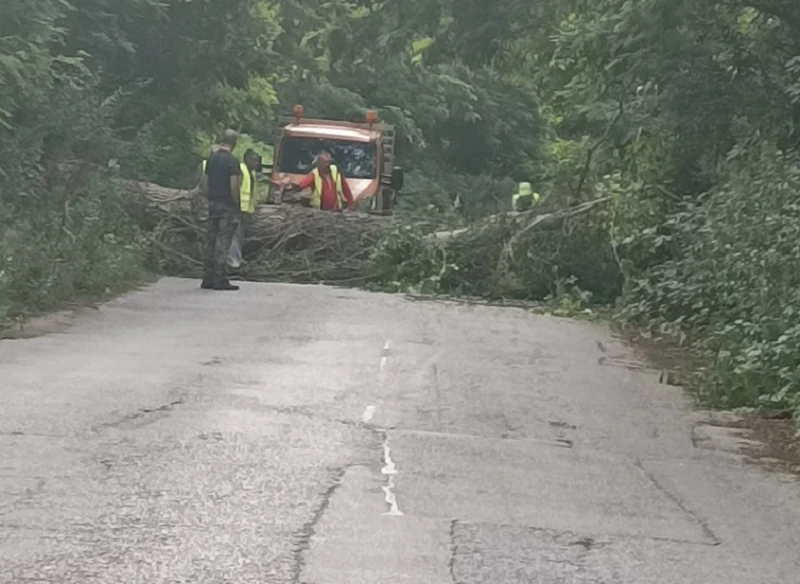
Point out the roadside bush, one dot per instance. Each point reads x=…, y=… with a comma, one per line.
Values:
x=86, y=248
x=65, y=230
x=734, y=288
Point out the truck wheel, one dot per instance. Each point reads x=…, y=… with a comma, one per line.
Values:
x=383, y=201
x=389, y=199
x=376, y=202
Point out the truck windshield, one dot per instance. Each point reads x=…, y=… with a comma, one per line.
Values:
x=354, y=159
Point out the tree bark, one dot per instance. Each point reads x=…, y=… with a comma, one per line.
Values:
x=189, y=207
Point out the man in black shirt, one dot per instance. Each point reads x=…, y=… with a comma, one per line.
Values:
x=221, y=181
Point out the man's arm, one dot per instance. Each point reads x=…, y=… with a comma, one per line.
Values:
x=203, y=182
x=204, y=170
x=236, y=187
x=348, y=194
x=306, y=182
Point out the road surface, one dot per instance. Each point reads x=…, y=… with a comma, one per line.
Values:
x=312, y=435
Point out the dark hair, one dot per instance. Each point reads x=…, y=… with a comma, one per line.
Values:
x=250, y=153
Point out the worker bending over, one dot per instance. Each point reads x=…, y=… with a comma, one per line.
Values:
x=525, y=198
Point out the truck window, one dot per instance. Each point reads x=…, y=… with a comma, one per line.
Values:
x=354, y=159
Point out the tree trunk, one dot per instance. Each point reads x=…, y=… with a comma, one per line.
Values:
x=268, y=222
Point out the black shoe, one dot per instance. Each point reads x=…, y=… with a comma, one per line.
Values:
x=226, y=286
x=207, y=285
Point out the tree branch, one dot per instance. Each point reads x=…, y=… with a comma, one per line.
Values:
x=592, y=149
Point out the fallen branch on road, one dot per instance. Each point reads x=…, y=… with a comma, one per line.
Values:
x=524, y=221
x=556, y=218
x=282, y=242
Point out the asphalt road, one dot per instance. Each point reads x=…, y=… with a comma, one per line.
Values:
x=311, y=435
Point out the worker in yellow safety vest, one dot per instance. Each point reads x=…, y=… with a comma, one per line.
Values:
x=330, y=191
x=247, y=202
x=525, y=198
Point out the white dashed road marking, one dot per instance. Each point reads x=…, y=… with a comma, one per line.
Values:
x=390, y=470
x=368, y=414
x=384, y=356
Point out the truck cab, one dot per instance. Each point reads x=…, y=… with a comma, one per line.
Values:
x=363, y=152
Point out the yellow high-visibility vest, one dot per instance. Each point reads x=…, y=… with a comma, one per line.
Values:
x=316, y=196
x=247, y=199
x=525, y=192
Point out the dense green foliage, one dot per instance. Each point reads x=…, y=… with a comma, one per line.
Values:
x=681, y=115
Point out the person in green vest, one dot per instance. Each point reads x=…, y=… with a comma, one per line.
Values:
x=248, y=202
x=525, y=198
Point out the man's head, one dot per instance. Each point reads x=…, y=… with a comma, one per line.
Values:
x=324, y=161
x=252, y=159
x=229, y=139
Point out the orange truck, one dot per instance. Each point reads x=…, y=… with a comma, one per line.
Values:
x=363, y=152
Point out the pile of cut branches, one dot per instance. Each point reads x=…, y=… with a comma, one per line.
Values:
x=285, y=242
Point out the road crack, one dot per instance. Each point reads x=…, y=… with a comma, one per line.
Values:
x=704, y=526
x=303, y=537
x=451, y=565
x=141, y=417
x=311, y=414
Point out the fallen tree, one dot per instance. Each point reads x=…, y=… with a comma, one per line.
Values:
x=524, y=221
x=508, y=255
x=162, y=202
x=527, y=255
x=287, y=241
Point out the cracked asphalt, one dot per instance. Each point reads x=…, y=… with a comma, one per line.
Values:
x=311, y=435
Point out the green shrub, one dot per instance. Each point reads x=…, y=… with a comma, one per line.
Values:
x=86, y=248
x=734, y=288
x=405, y=260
